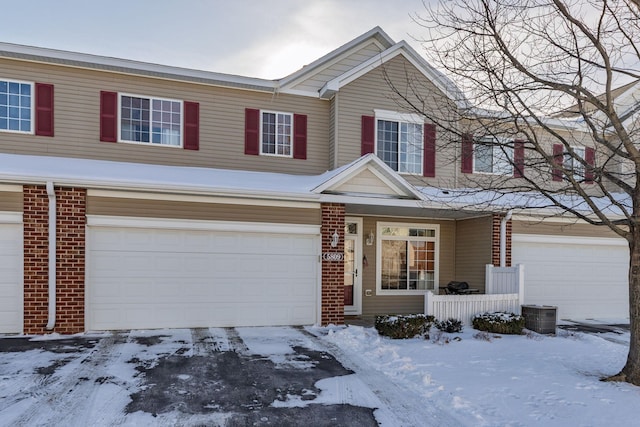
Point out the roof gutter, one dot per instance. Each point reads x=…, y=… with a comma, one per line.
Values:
x=52, y=256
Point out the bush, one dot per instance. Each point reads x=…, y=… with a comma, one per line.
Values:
x=409, y=326
x=450, y=325
x=499, y=323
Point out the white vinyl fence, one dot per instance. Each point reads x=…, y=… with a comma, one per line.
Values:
x=505, y=292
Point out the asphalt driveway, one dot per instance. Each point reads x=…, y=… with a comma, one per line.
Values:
x=226, y=377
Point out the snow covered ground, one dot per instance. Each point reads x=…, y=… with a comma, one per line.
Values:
x=448, y=380
x=528, y=380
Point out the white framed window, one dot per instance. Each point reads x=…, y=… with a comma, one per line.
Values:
x=407, y=258
x=16, y=106
x=400, y=141
x=150, y=120
x=276, y=133
x=492, y=156
x=573, y=164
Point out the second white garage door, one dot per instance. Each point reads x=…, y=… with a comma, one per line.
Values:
x=585, y=278
x=157, y=278
x=10, y=274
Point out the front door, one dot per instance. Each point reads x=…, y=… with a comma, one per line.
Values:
x=352, y=266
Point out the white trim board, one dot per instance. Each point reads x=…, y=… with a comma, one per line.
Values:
x=200, y=199
x=569, y=240
x=186, y=224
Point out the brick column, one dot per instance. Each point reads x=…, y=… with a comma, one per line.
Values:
x=332, y=271
x=495, y=241
x=70, y=262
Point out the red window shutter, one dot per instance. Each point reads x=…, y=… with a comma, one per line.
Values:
x=108, y=116
x=429, y=153
x=300, y=136
x=251, y=131
x=590, y=158
x=44, y=109
x=191, y=140
x=466, y=155
x=368, y=135
x=518, y=158
x=558, y=158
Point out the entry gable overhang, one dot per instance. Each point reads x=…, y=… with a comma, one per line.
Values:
x=367, y=177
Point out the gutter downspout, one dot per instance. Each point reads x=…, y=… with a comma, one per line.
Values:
x=52, y=256
x=503, y=238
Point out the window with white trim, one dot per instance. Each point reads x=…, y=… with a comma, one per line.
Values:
x=400, y=140
x=492, y=157
x=16, y=106
x=277, y=133
x=150, y=120
x=571, y=163
x=407, y=258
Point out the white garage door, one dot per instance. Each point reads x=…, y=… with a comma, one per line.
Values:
x=10, y=278
x=586, y=278
x=158, y=277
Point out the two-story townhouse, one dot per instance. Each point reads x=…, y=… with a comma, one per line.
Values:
x=137, y=195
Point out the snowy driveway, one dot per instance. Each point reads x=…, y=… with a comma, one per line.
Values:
x=232, y=377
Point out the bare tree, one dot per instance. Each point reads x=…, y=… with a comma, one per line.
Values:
x=538, y=75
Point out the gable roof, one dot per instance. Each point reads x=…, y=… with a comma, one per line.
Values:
x=393, y=185
x=310, y=78
x=403, y=49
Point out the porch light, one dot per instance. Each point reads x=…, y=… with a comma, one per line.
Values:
x=334, y=239
x=370, y=238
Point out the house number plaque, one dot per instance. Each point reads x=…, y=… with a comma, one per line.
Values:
x=333, y=256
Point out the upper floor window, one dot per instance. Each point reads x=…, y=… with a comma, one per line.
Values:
x=399, y=141
x=150, y=120
x=273, y=133
x=579, y=163
x=277, y=133
x=16, y=106
x=571, y=163
x=146, y=120
x=492, y=157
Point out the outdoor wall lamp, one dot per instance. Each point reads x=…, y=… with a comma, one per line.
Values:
x=334, y=239
x=370, y=238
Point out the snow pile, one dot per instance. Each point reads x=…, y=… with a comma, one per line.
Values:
x=507, y=380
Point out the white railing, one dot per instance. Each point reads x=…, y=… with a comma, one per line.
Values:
x=504, y=292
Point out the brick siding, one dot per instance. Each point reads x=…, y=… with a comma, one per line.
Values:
x=70, y=264
x=332, y=271
x=495, y=242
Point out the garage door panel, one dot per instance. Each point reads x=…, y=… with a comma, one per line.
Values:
x=151, y=278
x=11, y=278
x=584, y=279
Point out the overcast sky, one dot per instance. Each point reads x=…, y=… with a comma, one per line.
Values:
x=257, y=38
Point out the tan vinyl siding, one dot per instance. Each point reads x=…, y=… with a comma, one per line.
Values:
x=10, y=201
x=561, y=229
x=392, y=304
x=367, y=183
x=77, y=104
x=473, y=250
x=372, y=91
x=200, y=211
